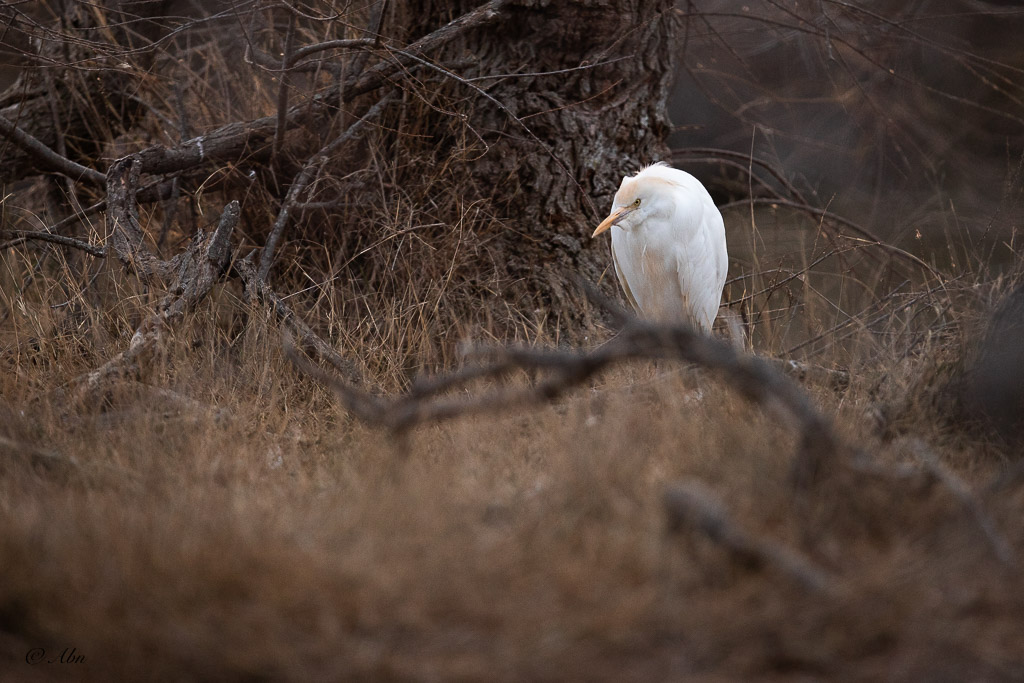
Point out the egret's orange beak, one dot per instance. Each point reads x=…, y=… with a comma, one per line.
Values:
x=612, y=220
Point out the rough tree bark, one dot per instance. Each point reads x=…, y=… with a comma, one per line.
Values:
x=594, y=102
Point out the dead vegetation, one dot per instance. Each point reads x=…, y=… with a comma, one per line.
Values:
x=278, y=403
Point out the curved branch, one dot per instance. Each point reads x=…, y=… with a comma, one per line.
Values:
x=47, y=157
x=754, y=377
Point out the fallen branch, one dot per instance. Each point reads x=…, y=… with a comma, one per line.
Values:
x=30, y=235
x=258, y=291
x=36, y=456
x=193, y=274
x=689, y=504
x=563, y=370
x=961, y=491
x=126, y=237
x=47, y=158
x=190, y=276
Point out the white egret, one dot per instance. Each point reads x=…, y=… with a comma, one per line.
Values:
x=668, y=246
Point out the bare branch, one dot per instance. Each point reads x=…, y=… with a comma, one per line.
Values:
x=796, y=200
x=257, y=291
x=126, y=236
x=374, y=29
x=755, y=378
x=202, y=264
x=254, y=138
x=692, y=504
x=303, y=179
x=996, y=541
x=510, y=114
x=194, y=273
x=155, y=191
x=339, y=44
x=375, y=77
x=47, y=157
x=297, y=186
x=283, y=86
x=684, y=154
x=861, y=231
x=92, y=249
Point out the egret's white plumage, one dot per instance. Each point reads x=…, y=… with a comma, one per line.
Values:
x=668, y=245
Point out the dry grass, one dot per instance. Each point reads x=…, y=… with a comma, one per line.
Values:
x=234, y=523
x=224, y=519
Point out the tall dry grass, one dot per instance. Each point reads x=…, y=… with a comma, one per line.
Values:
x=223, y=518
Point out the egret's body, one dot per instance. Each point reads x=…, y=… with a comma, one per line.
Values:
x=668, y=245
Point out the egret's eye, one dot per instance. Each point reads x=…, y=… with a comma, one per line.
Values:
x=637, y=202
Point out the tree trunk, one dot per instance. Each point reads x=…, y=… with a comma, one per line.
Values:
x=600, y=115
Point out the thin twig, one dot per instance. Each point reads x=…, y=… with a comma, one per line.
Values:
x=863, y=233
x=515, y=118
x=154, y=191
x=282, y=92
x=681, y=154
x=373, y=28
x=92, y=249
x=303, y=179
x=375, y=76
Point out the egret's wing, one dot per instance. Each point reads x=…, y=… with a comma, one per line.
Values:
x=624, y=283
x=702, y=265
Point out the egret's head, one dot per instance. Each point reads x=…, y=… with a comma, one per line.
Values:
x=639, y=197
